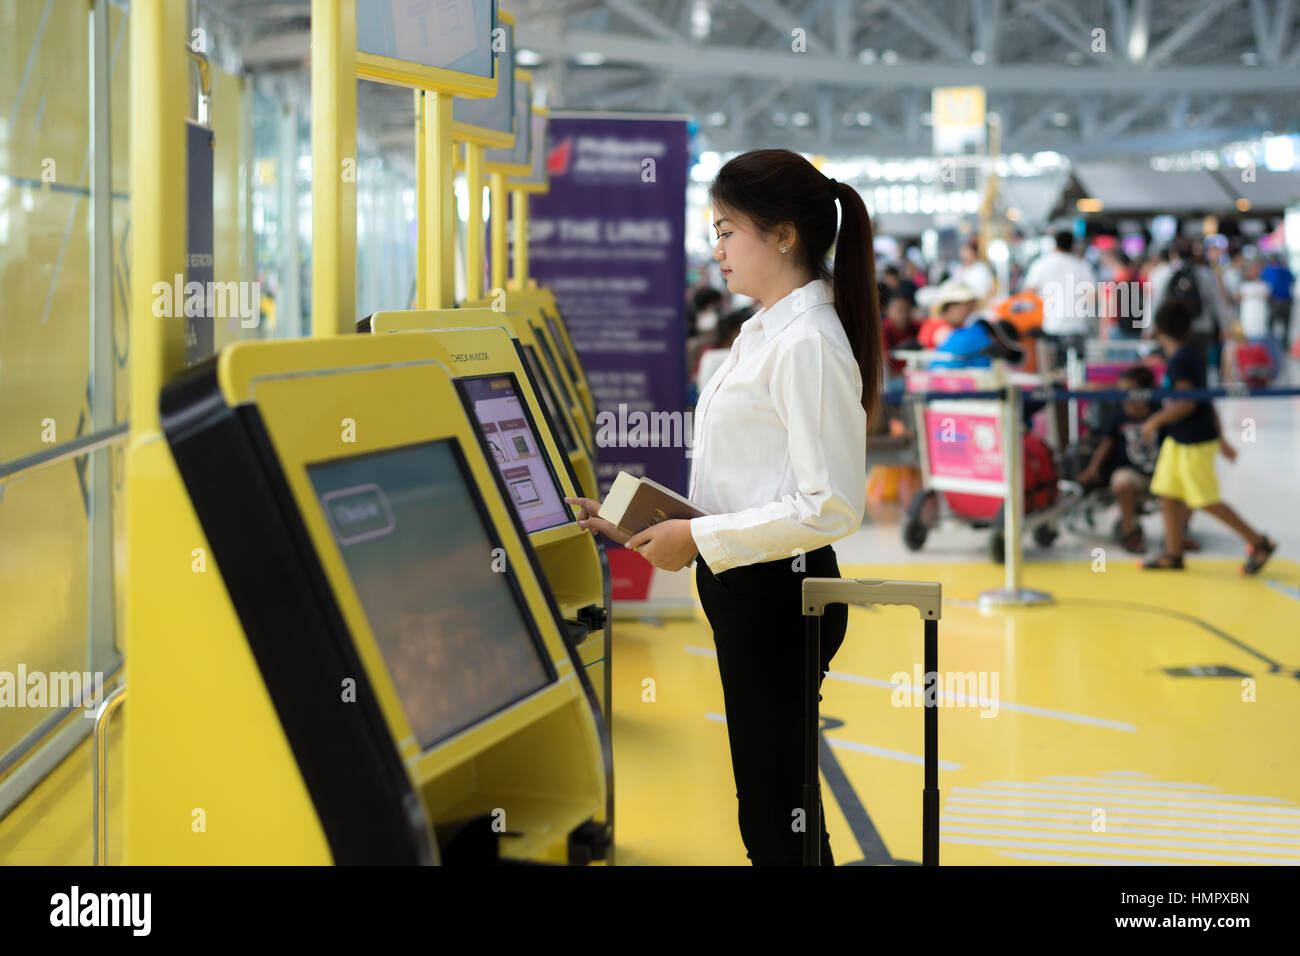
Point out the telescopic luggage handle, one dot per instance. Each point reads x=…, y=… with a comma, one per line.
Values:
x=927, y=598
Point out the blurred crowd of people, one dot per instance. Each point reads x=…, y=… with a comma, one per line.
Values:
x=1241, y=301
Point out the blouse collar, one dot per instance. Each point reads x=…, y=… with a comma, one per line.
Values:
x=782, y=313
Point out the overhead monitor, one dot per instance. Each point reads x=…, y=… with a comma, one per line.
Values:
x=453, y=630
x=540, y=146
x=492, y=114
x=511, y=441
x=518, y=159
x=543, y=388
x=453, y=35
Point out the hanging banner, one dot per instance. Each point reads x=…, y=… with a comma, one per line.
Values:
x=609, y=241
x=200, y=335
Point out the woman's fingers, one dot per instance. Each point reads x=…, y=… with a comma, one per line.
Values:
x=590, y=508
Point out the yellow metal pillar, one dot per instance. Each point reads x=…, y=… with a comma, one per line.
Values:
x=158, y=205
x=474, y=228
x=334, y=166
x=440, y=159
x=421, y=214
x=519, y=198
x=500, y=217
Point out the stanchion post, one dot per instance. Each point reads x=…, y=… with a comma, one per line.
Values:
x=930, y=795
x=1013, y=506
x=1073, y=380
x=812, y=846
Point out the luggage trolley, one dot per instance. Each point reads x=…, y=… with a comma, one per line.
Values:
x=964, y=463
x=927, y=598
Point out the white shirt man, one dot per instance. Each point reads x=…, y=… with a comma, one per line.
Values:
x=1068, y=288
x=977, y=277
x=1254, y=308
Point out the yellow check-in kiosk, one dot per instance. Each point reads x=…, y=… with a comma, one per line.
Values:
x=531, y=317
x=540, y=301
x=499, y=393
x=399, y=678
x=574, y=437
x=518, y=435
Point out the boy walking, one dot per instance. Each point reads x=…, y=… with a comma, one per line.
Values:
x=1184, y=478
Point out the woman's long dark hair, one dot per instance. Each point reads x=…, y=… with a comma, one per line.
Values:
x=775, y=186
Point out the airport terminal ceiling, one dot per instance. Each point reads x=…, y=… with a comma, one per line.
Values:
x=840, y=78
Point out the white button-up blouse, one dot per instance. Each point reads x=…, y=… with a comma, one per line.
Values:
x=779, y=446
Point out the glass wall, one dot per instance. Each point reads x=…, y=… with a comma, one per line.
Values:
x=64, y=226
x=65, y=347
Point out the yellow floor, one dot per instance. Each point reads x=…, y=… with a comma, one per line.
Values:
x=1173, y=769
x=1094, y=755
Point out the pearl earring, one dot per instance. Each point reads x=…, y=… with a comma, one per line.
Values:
x=783, y=250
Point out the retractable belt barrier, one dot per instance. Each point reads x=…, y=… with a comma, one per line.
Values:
x=927, y=598
x=1100, y=394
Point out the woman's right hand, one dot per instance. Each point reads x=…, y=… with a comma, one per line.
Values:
x=589, y=520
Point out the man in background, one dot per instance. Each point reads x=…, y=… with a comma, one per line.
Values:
x=1280, y=283
x=1068, y=287
x=1192, y=285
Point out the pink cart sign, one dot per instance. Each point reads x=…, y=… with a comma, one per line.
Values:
x=964, y=447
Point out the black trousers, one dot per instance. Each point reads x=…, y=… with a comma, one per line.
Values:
x=758, y=630
x=1279, y=316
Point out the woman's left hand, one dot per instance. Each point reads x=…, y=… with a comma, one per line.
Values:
x=668, y=545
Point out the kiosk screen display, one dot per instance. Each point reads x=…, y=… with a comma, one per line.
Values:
x=547, y=354
x=449, y=34
x=559, y=344
x=511, y=438
x=552, y=406
x=454, y=633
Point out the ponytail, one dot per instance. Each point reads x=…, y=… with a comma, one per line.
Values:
x=856, y=298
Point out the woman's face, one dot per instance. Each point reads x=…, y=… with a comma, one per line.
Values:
x=748, y=258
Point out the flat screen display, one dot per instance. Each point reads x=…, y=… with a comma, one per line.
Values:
x=547, y=354
x=519, y=155
x=453, y=630
x=448, y=34
x=548, y=398
x=540, y=144
x=511, y=438
x=559, y=344
x=493, y=112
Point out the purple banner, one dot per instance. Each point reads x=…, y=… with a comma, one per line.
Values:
x=609, y=241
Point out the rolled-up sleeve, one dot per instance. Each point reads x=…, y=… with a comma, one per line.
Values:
x=816, y=390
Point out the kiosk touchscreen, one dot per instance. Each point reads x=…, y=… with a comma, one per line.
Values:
x=574, y=369
x=560, y=375
x=559, y=414
x=409, y=673
x=508, y=431
x=454, y=634
x=560, y=333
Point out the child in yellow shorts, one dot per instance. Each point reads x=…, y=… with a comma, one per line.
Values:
x=1184, y=477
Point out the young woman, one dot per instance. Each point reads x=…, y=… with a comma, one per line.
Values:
x=779, y=462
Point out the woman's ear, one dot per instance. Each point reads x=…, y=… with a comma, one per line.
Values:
x=785, y=235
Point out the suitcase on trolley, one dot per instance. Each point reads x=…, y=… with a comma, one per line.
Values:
x=927, y=598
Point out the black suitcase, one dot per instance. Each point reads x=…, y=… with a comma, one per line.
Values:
x=927, y=598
